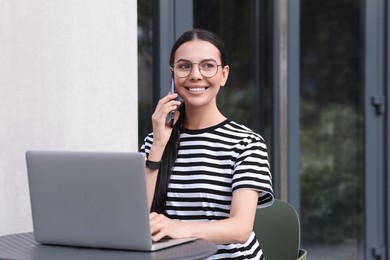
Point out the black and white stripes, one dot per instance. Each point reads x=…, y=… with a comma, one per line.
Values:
x=211, y=164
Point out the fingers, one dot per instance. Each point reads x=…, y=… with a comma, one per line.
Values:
x=165, y=105
x=161, y=128
x=162, y=226
x=168, y=103
x=158, y=223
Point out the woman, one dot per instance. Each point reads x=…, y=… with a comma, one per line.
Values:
x=207, y=175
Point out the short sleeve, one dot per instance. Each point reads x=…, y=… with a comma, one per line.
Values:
x=147, y=144
x=252, y=169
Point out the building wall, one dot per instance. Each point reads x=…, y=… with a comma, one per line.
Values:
x=68, y=81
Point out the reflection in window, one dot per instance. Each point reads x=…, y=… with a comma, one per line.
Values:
x=331, y=129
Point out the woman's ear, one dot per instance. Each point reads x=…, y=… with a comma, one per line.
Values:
x=225, y=75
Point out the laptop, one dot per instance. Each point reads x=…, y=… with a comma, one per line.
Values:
x=91, y=199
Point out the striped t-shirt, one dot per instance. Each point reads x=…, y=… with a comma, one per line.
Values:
x=211, y=164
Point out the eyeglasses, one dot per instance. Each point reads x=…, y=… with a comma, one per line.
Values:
x=208, y=68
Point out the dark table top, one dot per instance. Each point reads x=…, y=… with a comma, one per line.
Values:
x=23, y=246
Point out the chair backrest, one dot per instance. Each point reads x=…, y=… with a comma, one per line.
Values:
x=277, y=228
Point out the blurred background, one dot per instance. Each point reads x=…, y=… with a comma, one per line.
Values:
x=310, y=77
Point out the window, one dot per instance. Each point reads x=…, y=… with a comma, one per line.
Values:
x=331, y=129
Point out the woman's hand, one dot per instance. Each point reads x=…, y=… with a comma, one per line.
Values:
x=161, y=226
x=237, y=228
x=162, y=129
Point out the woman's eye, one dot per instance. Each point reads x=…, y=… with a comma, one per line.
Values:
x=207, y=65
x=184, y=66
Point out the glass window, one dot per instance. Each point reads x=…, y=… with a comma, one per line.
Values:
x=243, y=26
x=247, y=96
x=331, y=127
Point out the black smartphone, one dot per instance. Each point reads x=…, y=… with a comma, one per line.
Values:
x=171, y=115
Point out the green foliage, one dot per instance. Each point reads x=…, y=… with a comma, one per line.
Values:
x=331, y=175
x=331, y=122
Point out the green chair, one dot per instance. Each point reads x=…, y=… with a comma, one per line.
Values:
x=278, y=230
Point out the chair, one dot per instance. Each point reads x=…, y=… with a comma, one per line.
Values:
x=278, y=230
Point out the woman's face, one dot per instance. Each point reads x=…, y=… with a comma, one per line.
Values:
x=195, y=89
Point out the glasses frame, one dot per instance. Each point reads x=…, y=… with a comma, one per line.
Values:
x=200, y=70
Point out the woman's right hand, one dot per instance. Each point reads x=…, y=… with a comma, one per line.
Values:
x=162, y=129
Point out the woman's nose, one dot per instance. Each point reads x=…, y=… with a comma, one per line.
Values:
x=195, y=72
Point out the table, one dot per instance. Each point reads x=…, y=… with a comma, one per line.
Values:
x=23, y=246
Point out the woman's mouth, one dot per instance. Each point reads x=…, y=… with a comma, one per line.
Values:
x=198, y=89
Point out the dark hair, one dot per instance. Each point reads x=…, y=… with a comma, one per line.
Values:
x=199, y=34
x=170, y=152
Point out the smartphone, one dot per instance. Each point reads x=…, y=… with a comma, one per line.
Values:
x=171, y=115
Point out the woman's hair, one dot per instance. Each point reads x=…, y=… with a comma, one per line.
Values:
x=203, y=35
x=171, y=149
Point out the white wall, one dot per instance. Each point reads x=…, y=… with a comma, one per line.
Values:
x=68, y=81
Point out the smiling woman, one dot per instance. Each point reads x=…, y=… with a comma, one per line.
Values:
x=214, y=172
x=196, y=84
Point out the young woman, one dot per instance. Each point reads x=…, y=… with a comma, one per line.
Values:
x=206, y=175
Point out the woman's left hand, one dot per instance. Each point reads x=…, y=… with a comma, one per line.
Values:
x=161, y=226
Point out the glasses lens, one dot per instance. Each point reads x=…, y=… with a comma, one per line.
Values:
x=208, y=68
x=182, y=69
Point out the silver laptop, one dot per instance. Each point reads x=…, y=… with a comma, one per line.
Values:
x=91, y=199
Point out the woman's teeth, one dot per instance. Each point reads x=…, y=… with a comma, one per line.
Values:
x=196, y=89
